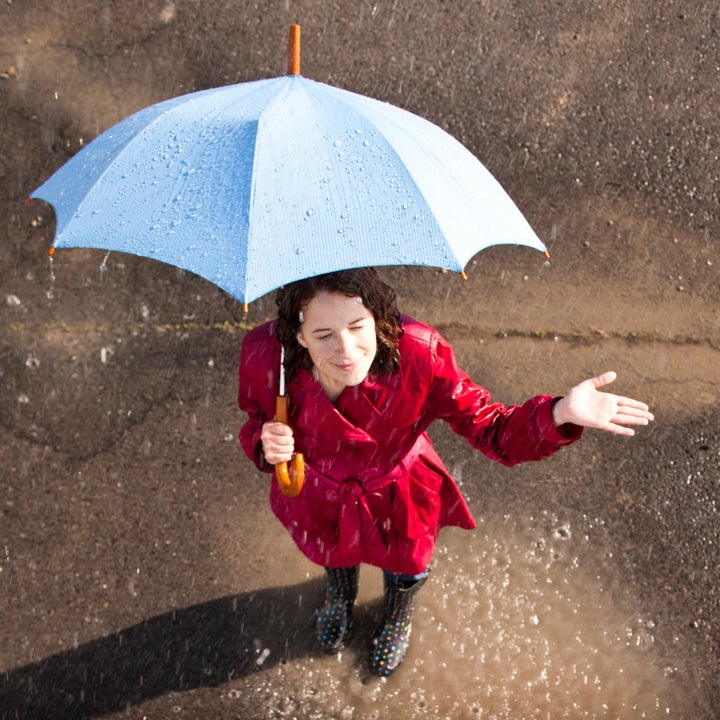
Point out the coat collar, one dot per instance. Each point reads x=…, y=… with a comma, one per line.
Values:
x=358, y=407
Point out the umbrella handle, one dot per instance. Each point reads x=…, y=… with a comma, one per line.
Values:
x=290, y=479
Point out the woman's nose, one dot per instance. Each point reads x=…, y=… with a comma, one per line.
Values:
x=343, y=343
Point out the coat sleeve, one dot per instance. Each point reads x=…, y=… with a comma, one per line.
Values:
x=509, y=435
x=256, y=395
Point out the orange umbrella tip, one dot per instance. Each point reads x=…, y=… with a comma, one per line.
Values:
x=547, y=255
x=294, y=50
x=51, y=251
x=463, y=275
x=28, y=200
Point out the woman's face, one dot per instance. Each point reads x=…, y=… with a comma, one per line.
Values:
x=339, y=333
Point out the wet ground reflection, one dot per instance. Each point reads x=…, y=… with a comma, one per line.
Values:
x=522, y=619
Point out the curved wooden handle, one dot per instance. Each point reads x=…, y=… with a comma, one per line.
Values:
x=290, y=480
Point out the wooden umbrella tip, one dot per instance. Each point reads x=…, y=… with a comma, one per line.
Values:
x=294, y=50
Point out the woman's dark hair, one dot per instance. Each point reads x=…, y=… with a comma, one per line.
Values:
x=364, y=283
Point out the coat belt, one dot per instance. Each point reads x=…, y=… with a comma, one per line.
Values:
x=358, y=529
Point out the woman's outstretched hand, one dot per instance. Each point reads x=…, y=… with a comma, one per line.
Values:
x=585, y=405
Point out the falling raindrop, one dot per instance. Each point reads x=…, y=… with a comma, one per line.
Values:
x=50, y=292
x=103, y=264
x=263, y=656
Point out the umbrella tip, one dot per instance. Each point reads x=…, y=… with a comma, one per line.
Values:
x=294, y=50
x=245, y=308
x=463, y=276
x=51, y=250
x=547, y=255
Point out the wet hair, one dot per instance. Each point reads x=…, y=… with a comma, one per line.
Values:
x=378, y=297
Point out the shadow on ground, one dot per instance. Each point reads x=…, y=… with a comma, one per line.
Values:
x=202, y=645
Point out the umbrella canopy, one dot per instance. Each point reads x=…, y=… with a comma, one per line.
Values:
x=255, y=185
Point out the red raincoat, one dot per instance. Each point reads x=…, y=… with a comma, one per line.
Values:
x=375, y=490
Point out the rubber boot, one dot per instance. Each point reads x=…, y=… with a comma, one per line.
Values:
x=392, y=640
x=335, y=616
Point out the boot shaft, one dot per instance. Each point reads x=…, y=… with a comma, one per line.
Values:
x=343, y=583
x=400, y=601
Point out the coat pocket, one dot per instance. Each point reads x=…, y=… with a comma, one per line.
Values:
x=420, y=492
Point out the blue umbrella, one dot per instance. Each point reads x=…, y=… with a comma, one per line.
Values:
x=255, y=185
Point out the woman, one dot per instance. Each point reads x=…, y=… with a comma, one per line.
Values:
x=364, y=384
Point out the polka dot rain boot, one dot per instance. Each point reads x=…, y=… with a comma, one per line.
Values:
x=334, y=617
x=393, y=638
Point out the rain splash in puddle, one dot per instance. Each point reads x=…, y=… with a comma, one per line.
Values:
x=523, y=618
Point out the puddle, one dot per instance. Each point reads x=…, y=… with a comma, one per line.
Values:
x=522, y=618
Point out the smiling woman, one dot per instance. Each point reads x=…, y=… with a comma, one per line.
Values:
x=365, y=384
x=363, y=287
x=339, y=334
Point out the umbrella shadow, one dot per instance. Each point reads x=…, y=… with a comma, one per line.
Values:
x=199, y=646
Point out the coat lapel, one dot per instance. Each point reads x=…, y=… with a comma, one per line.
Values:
x=359, y=415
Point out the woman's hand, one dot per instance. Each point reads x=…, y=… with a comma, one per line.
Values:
x=585, y=405
x=277, y=442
